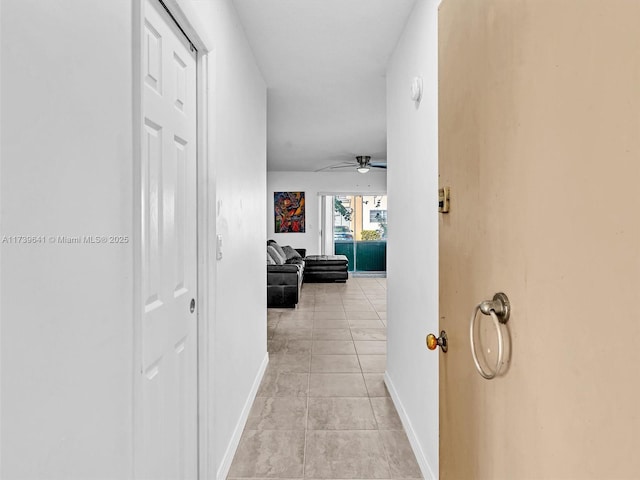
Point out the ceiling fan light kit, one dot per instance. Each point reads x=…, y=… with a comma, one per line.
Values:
x=363, y=162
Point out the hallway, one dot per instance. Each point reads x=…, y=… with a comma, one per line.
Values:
x=322, y=410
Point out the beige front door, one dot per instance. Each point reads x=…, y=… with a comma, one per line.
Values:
x=539, y=138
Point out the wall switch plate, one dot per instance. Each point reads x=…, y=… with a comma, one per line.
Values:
x=218, y=247
x=443, y=199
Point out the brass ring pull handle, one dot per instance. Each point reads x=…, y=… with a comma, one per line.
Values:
x=499, y=310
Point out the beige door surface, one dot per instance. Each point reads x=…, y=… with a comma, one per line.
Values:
x=539, y=138
x=167, y=430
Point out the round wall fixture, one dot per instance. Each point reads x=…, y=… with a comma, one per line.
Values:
x=416, y=89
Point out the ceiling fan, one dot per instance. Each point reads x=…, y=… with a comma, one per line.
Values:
x=364, y=164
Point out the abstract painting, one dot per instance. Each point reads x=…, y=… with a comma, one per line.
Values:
x=288, y=208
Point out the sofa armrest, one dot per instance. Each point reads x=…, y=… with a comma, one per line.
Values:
x=285, y=268
x=283, y=277
x=302, y=252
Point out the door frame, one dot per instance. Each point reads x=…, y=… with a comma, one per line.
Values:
x=323, y=231
x=326, y=213
x=187, y=20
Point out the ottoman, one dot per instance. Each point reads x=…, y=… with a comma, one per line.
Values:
x=326, y=268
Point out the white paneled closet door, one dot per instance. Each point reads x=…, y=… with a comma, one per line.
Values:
x=166, y=447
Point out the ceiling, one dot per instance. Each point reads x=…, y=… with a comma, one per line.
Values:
x=324, y=62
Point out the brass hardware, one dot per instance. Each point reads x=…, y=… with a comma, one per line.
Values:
x=443, y=199
x=433, y=342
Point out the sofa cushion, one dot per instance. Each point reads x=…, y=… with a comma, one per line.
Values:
x=283, y=268
x=270, y=260
x=278, y=248
x=277, y=258
x=324, y=260
x=295, y=261
x=290, y=252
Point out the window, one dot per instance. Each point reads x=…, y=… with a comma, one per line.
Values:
x=377, y=216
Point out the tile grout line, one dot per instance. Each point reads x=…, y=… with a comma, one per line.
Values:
x=306, y=422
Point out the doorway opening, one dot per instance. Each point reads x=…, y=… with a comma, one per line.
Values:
x=356, y=226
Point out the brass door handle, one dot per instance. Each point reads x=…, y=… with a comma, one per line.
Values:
x=433, y=342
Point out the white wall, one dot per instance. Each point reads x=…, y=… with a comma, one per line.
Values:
x=313, y=183
x=66, y=309
x=412, y=248
x=239, y=167
x=67, y=167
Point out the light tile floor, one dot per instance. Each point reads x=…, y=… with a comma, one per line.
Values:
x=322, y=410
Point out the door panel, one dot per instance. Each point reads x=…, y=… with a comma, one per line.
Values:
x=539, y=117
x=168, y=436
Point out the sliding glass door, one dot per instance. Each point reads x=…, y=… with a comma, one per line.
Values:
x=360, y=231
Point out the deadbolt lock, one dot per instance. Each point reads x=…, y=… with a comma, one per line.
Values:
x=443, y=199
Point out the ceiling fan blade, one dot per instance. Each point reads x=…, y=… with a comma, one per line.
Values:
x=342, y=166
x=339, y=165
x=354, y=165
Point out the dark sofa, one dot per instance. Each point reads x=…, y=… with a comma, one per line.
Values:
x=284, y=280
x=288, y=268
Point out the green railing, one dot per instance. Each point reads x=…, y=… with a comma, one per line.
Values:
x=370, y=256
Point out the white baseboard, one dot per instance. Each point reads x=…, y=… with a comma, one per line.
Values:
x=230, y=452
x=425, y=467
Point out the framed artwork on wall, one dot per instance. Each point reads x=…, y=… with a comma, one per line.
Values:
x=288, y=210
